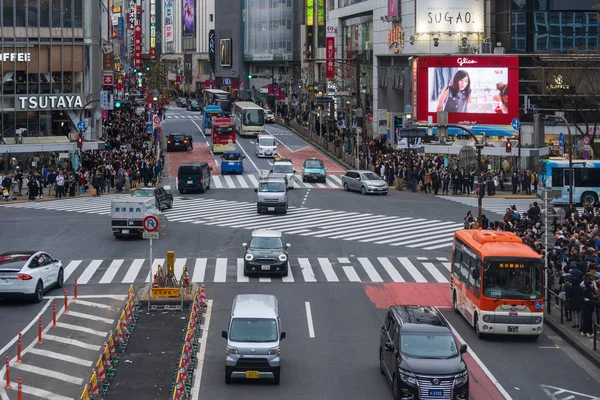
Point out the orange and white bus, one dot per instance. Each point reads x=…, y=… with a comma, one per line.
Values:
x=497, y=283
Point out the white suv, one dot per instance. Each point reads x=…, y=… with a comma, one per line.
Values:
x=266, y=146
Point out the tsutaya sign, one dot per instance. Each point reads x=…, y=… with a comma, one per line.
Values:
x=19, y=57
x=50, y=102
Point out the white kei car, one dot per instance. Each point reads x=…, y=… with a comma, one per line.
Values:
x=29, y=273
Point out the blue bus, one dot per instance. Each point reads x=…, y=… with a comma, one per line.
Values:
x=554, y=174
x=211, y=112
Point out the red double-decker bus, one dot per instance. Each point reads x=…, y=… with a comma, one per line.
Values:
x=223, y=135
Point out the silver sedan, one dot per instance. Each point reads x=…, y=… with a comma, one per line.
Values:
x=364, y=182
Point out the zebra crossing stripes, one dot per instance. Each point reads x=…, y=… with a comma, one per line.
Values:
x=497, y=205
x=309, y=222
x=231, y=270
x=250, y=181
x=197, y=117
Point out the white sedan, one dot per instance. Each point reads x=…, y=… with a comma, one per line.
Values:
x=29, y=273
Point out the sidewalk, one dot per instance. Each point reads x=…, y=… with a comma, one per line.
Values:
x=345, y=160
x=25, y=197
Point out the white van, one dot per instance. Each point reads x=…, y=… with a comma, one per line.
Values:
x=266, y=146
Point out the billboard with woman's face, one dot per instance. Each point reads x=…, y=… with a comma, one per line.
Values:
x=472, y=90
x=189, y=18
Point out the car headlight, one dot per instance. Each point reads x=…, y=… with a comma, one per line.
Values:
x=274, y=351
x=487, y=318
x=282, y=257
x=249, y=257
x=231, y=350
x=408, y=377
x=461, y=379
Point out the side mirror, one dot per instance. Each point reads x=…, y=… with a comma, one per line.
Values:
x=244, y=244
x=256, y=190
x=388, y=346
x=224, y=334
x=287, y=245
x=282, y=336
x=463, y=348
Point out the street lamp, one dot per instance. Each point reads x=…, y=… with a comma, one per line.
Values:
x=406, y=122
x=570, y=159
x=154, y=95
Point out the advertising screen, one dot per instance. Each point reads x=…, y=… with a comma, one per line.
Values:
x=225, y=52
x=473, y=90
x=189, y=18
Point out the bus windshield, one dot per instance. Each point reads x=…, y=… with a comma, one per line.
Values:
x=513, y=280
x=272, y=187
x=254, y=117
x=224, y=130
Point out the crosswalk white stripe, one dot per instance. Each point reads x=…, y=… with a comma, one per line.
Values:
x=412, y=270
x=290, y=277
x=155, y=263
x=216, y=180
x=205, y=208
x=111, y=271
x=393, y=229
x=220, y=270
x=307, y=185
x=396, y=238
x=199, y=270
x=447, y=265
x=240, y=271
x=287, y=219
x=207, y=214
x=306, y=269
x=89, y=272
x=70, y=268
x=264, y=279
x=383, y=229
x=351, y=234
x=242, y=182
x=179, y=264
x=330, y=182
x=370, y=269
x=314, y=219
x=437, y=236
x=253, y=180
x=438, y=246
x=441, y=259
x=293, y=230
x=241, y=214
x=390, y=269
x=437, y=275
x=336, y=179
x=320, y=185
x=351, y=273
x=229, y=181
x=354, y=220
x=327, y=269
x=133, y=270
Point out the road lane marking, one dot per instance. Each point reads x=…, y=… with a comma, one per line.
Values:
x=247, y=157
x=92, y=304
x=200, y=129
x=412, y=270
x=264, y=279
x=133, y=271
x=242, y=182
x=41, y=393
x=306, y=269
x=111, y=271
x=327, y=269
x=72, y=342
x=71, y=268
x=220, y=270
x=482, y=365
x=26, y=329
x=199, y=270
x=81, y=329
x=390, y=269
x=201, y=352
x=437, y=275
x=309, y=320
x=89, y=272
x=305, y=198
x=49, y=373
x=370, y=269
x=61, y=356
x=351, y=273
x=90, y=317
x=240, y=271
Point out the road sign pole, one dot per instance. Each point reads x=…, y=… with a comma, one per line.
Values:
x=150, y=273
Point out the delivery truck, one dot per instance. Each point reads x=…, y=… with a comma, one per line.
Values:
x=128, y=215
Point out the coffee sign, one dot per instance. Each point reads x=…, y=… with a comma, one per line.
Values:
x=49, y=102
x=19, y=57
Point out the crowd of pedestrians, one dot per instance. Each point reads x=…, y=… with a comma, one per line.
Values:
x=127, y=160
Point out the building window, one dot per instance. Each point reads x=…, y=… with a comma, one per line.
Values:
x=8, y=10
x=78, y=14
x=210, y=17
x=45, y=13
x=56, y=12
x=20, y=11
x=67, y=13
x=32, y=13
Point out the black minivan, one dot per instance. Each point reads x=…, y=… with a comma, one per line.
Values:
x=193, y=176
x=420, y=357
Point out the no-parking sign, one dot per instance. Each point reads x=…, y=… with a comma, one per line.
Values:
x=156, y=121
x=586, y=140
x=150, y=223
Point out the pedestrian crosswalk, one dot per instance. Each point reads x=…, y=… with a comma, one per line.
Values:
x=308, y=222
x=496, y=205
x=250, y=181
x=197, y=117
x=230, y=270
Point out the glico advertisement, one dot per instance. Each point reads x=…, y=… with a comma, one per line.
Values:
x=472, y=90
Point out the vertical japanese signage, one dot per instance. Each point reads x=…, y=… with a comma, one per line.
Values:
x=211, y=49
x=121, y=29
x=310, y=29
x=393, y=8
x=168, y=21
x=137, y=40
x=310, y=12
x=152, y=28
x=320, y=23
x=415, y=90
x=330, y=53
x=132, y=14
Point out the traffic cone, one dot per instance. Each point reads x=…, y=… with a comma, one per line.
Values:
x=155, y=282
x=203, y=297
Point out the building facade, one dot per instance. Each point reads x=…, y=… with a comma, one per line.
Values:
x=50, y=63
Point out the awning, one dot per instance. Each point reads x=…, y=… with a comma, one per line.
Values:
x=481, y=130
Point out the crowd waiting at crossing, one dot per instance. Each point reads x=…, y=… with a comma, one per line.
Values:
x=128, y=160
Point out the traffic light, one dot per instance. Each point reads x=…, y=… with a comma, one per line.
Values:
x=135, y=70
x=249, y=76
x=508, y=147
x=117, y=104
x=147, y=68
x=79, y=142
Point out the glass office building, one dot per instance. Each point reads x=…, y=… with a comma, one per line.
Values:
x=50, y=64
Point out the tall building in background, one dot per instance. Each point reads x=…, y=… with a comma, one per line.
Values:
x=50, y=63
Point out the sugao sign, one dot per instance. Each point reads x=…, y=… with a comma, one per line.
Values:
x=439, y=16
x=57, y=102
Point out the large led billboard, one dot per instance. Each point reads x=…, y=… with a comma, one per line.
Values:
x=473, y=90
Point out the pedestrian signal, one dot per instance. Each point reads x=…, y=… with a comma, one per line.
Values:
x=118, y=104
x=79, y=142
x=509, y=147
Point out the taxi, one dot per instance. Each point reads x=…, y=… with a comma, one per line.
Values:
x=232, y=162
x=314, y=170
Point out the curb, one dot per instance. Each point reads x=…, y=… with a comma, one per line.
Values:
x=52, y=198
x=584, y=351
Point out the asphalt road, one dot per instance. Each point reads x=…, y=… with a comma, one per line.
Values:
x=340, y=361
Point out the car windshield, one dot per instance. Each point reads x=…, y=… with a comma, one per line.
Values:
x=267, y=142
x=143, y=193
x=232, y=157
x=269, y=112
x=254, y=117
x=314, y=164
x=513, y=280
x=272, y=187
x=268, y=242
x=224, y=130
x=283, y=168
x=254, y=330
x=370, y=176
x=428, y=345
x=194, y=103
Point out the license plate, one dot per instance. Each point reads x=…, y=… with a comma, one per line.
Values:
x=271, y=208
x=513, y=329
x=125, y=231
x=3, y=280
x=436, y=393
x=252, y=374
x=190, y=182
x=266, y=267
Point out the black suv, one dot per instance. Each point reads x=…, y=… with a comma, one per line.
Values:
x=266, y=253
x=420, y=356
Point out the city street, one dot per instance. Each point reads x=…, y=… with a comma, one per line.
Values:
x=352, y=256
